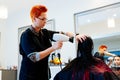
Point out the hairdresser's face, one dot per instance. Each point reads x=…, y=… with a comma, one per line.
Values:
x=41, y=20
x=102, y=50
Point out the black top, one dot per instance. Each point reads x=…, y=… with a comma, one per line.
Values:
x=98, y=55
x=30, y=42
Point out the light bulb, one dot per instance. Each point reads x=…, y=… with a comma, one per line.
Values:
x=3, y=12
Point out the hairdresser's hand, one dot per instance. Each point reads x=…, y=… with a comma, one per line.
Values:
x=80, y=38
x=57, y=45
x=69, y=34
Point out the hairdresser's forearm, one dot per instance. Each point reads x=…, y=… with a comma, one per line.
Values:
x=46, y=52
x=37, y=56
x=109, y=54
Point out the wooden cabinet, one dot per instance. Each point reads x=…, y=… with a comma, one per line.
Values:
x=8, y=74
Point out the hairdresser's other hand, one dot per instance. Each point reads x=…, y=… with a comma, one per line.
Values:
x=57, y=45
x=80, y=38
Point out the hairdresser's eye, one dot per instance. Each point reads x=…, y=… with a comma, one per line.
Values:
x=43, y=19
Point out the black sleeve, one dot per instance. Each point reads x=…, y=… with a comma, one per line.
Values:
x=96, y=54
x=49, y=33
x=27, y=45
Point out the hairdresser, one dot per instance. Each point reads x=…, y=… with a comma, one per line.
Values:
x=35, y=46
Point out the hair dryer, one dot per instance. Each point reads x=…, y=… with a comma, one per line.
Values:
x=62, y=37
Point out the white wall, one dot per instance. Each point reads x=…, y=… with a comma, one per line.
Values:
x=2, y=43
x=61, y=10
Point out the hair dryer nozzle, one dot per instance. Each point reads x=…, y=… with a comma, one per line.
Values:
x=71, y=39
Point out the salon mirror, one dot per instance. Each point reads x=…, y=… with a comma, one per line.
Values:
x=102, y=24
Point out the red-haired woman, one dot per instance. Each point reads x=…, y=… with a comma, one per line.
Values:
x=102, y=51
x=35, y=46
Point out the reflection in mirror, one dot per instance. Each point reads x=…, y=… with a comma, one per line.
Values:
x=102, y=24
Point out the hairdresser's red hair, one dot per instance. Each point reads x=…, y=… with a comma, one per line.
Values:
x=37, y=10
x=102, y=46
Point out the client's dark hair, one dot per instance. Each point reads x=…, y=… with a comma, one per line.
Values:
x=84, y=57
x=85, y=48
x=84, y=53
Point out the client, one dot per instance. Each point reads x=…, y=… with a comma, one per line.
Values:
x=116, y=65
x=85, y=66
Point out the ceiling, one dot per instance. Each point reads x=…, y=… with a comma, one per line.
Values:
x=15, y=5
